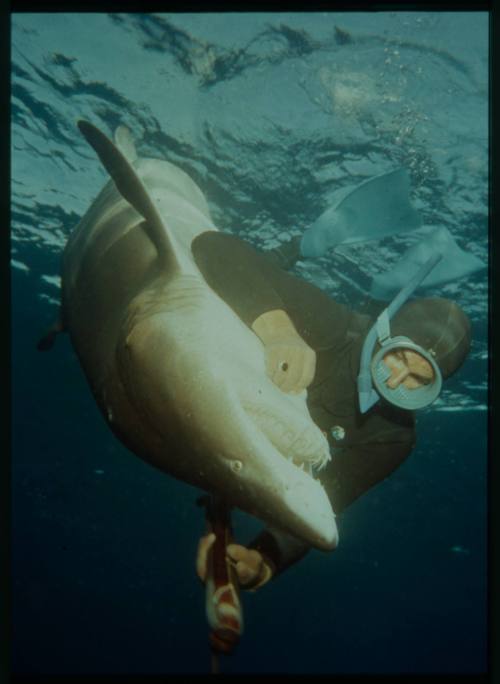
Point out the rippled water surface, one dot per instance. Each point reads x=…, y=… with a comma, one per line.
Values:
x=270, y=114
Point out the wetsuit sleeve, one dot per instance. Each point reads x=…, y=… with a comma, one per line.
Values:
x=239, y=274
x=279, y=550
x=353, y=471
x=253, y=282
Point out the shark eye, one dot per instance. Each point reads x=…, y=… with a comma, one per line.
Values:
x=236, y=466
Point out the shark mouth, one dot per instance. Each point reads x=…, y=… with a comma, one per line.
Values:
x=310, y=467
x=308, y=449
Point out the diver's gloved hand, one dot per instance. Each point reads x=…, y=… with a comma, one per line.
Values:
x=252, y=571
x=290, y=362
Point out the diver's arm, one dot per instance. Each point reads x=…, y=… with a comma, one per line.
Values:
x=234, y=270
x=348, y=476
x=278, y=550
x=355, y=470
x=244, y=278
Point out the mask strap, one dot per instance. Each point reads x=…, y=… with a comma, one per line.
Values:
x=383, y=327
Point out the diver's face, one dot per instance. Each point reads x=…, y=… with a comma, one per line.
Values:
x=409, y=368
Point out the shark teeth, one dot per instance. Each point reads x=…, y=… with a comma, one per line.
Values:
x=305, y=466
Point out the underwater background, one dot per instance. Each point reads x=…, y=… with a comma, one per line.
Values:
x=270, y=114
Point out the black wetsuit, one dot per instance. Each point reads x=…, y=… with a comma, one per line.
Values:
x=366, y=448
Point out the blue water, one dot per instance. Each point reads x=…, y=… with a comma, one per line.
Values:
x=270, y=114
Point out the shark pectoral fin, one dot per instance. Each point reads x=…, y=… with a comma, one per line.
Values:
x=132, y=188
x=46, y=342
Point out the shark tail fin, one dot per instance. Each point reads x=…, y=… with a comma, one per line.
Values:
x=125, y=143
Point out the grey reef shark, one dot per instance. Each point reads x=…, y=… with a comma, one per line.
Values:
x=177, y=376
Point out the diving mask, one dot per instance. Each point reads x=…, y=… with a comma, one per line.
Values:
x=374, y=373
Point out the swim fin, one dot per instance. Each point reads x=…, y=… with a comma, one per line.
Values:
x=454, y=265
x=378, y=208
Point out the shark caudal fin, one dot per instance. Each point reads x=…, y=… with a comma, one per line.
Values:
x=130, y=186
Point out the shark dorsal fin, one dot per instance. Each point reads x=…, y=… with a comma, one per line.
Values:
x=131, y=187
x=125, y=143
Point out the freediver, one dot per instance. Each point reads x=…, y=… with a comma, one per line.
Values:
x=311, y=341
